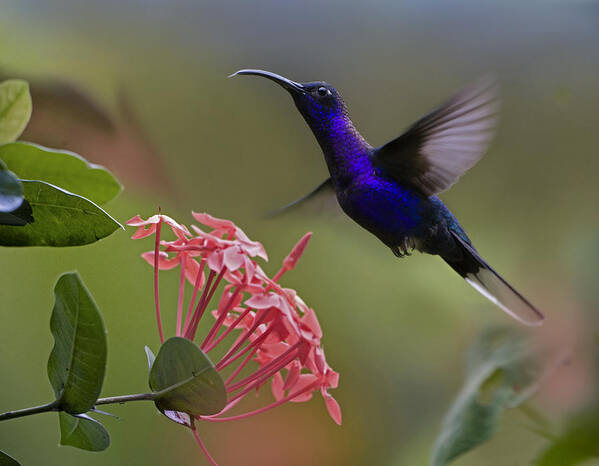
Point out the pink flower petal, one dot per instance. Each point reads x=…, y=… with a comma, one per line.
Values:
x=144, y=228
x=274, y=350
x=309, y=320
x=304, y=352
x=137, y=221
x=164, y=263
x=277, y=386
x=332, y=378
x=292, y=375
x=211, y=239
x=304, y=381
x=233, y=258
x=142, y=232
x=263, y=301
x=321, y=364
x=235, y=235
x=214, y=222
x=332, y=407
x=253, y=248
x=215, y=260
x=192, y=268
x=306, y=396
x=180, y=230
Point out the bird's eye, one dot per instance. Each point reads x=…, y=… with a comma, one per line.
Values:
x=322, y=91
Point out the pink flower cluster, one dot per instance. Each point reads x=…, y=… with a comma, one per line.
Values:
x=275, y=330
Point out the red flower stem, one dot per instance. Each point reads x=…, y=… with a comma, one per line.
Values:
x=231, y=356
x=221, y=317
x=180, y=297
x=228, y=330
x=256, y=343
x=156, y=297
x=241, y=366
x=279, y=274
x=196, y=288
x=202, y=446
x=229, y=406
x=265, y=408
x=257, y=381
x=199, y=310
x=207, y=300
x=242, y=338
x=275, y=364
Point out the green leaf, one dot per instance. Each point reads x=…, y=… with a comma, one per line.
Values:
x=61, y=168
x=15, y=109
x=7, y=460
x=185, y=380
x=61, y=218
x=83, y=432
x=78, y=360
x=577, y=444
x=501, y=374
x=11, y=190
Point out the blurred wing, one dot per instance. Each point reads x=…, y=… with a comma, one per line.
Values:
x=440, y=147
x=323, y=190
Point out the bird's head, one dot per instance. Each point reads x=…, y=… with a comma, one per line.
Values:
x=319, y=103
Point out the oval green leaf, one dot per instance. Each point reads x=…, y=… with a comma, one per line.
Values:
x=60, y=218
x=61, y=168
x=15, y=109
x=83, y=432
x=7, y=460
x=185, y=380
x=502, y=372
x=11, y=190
x=78, y=360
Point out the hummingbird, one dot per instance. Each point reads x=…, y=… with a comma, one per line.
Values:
x=391, y=190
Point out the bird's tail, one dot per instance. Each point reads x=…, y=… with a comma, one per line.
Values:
x=490, y=284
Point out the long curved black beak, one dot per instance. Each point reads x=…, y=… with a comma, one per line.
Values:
x=288, y=84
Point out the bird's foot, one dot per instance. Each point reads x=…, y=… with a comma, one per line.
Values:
x=404, y=248
x=397, y=252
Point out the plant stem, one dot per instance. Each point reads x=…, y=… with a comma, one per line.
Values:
x=125, y=398
x=156, y=270
x=53, y=406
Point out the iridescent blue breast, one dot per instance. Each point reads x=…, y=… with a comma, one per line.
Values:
x=386, y=209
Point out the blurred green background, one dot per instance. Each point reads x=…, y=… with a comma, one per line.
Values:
x=182, y=136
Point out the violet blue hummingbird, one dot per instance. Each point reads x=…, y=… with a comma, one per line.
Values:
x=391, y=190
